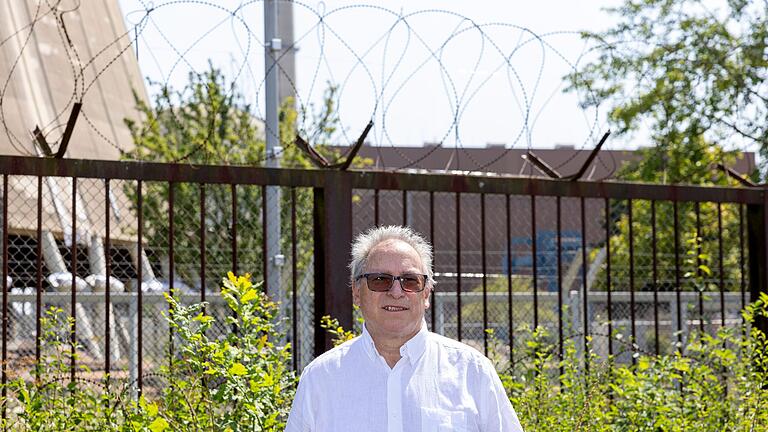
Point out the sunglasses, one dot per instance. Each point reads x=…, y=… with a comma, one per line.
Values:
x=382, y=282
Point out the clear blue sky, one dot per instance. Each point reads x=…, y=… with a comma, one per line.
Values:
x=411, y=87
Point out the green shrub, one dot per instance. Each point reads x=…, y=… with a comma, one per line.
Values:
x=717, y=383
x=55, y=402
x=242, y=381
x=239, y=382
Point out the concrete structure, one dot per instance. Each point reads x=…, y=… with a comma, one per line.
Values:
x=53, y=54
x=50, y=57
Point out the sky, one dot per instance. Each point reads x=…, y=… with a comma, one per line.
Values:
x=463, y=73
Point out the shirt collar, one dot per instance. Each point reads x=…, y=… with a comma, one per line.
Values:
x=413, y=349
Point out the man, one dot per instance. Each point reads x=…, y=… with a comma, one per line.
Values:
x=397, y=376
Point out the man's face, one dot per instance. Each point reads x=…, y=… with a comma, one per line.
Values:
x=394, y=314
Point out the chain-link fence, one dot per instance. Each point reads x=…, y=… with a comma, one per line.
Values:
x=644, y=273
x=628, y=274
x=123, y=244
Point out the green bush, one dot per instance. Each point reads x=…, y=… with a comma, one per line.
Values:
x=717, y=383
x=55, y=402
x=242, y=381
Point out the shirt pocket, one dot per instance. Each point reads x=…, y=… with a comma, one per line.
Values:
x=440, y=420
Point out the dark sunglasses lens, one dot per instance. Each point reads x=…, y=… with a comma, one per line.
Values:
x=412, y=283
x=379, y=282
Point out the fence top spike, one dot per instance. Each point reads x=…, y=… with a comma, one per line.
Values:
x=590, y=158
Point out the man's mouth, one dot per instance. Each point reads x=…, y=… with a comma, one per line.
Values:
x=394, y=308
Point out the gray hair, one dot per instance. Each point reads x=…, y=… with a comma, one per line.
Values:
x=364, y=242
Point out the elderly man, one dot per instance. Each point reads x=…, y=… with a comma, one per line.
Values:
x=398, y=376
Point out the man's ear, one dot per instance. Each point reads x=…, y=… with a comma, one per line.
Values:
x=427, y=293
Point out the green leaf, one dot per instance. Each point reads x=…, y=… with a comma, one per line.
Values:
x=238, y=369
x=158, y=425
x=152, y=409
x=248, y=296
x=682, y=366
x=643, y=364
x=24, y=395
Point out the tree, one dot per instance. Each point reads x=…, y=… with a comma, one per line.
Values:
x=693, y=71
x=209, y=122
x=692, y=257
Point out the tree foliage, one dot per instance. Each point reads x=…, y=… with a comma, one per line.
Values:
x=210, y=122
x=692, y=71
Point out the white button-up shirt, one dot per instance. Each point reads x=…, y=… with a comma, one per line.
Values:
x=438, y=385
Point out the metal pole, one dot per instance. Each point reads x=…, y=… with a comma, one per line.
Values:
x=757, y=233
x=272, y=48
x=332, y=230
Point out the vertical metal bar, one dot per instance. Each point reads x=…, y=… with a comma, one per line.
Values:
x=655, y=277
x=294, y=284
x=632, y=305
x=233, y=188
x=559, y=228
x=405, y=207
x=73, y=304
x=608, y=290
x=757, y=244
x=108, y=273
x=534, y=261
x=679, y=312
x=332, y=219
x=5, y=296
x=139, y=279
x=202, y=243
x=510, y=304
x=171, y=258
x=458, y=264
x=39, y=273
x=721, y=281
x=585, y=299
x=699, y=274
x=171, y=255
x=742, y=281
x=761, y=252
x=376, y=207
x=433, y=306
x=264, y=238
x=485, y=281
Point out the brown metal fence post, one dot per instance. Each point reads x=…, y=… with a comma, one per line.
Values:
x=73, y=269
x=332, y=222
x=4, y=364
x=757, y=244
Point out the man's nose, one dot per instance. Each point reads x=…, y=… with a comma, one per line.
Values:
x=397, y=289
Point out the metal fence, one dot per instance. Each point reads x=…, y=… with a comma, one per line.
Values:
x=583, y=259
x=599, y=261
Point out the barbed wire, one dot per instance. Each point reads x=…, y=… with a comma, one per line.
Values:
x=477, y=68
